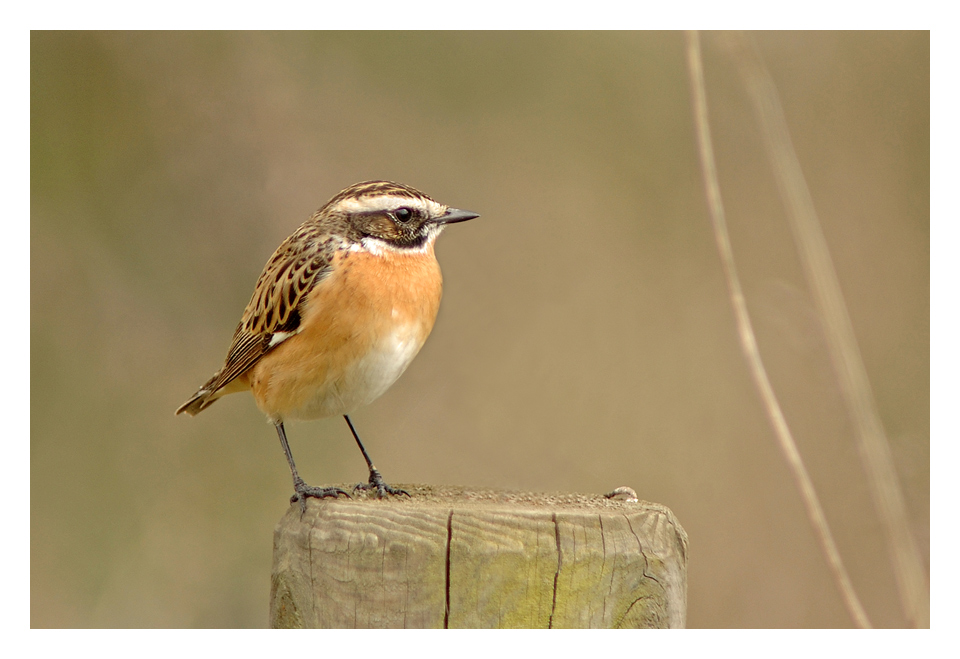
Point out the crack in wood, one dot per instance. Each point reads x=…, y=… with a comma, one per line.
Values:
x=629, y=608
x=313, y=582
x=556, y=577
x=446, y=608
x=646, y=561
x=603, y=567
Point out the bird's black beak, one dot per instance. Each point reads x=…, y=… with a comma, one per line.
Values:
x=454, y=215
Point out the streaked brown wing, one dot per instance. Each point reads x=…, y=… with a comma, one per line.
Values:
x=273, y=313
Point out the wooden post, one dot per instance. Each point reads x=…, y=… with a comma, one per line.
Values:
x=460, y=558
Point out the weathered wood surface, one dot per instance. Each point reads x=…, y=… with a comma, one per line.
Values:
x=462, y=558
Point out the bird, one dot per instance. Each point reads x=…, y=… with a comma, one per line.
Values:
x=340, y=310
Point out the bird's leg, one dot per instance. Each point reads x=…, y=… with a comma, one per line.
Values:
x=376, y=481
x=302, y=489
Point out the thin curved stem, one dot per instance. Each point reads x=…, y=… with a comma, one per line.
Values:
x=748, y=341
x=874, y=449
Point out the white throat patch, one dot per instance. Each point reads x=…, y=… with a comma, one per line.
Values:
x=379, y=247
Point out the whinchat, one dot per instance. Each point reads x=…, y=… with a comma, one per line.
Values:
x=339, y=312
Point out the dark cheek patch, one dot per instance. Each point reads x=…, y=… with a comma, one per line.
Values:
x=384, y=228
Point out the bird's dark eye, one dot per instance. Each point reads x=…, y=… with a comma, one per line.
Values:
x=403, y=214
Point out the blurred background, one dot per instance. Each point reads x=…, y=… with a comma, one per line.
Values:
x=585, y=341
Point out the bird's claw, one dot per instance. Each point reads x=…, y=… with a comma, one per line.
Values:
x=304, y=491
x=377, y=483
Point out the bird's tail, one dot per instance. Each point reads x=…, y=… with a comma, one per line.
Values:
x=206, y=396
x=197, y=403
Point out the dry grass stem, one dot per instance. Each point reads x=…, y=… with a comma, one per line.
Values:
x=872, y=442
x=748, y=340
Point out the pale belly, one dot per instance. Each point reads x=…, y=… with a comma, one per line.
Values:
x=364, y=381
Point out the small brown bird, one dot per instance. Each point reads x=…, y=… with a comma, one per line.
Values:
x=339, y=312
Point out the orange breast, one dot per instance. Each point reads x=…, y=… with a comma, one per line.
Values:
x=360, y=329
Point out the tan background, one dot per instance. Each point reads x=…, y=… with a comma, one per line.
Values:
x=585, y=340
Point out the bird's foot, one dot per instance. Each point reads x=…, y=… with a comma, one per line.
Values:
x=303, y=491
x=377, y=483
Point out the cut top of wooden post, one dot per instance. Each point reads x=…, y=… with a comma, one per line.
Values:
x=460, y=557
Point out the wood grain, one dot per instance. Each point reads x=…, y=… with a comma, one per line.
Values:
x=466, y=558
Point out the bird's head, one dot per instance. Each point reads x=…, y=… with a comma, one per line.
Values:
x=382, y=214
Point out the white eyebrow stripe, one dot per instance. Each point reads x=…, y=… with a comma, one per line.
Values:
x=371, y=203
